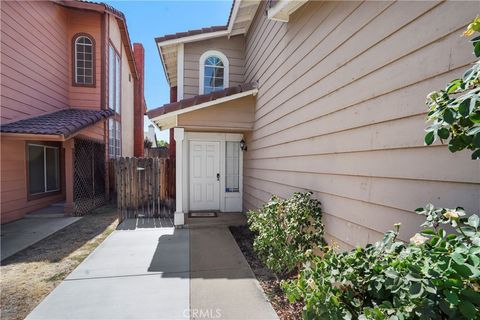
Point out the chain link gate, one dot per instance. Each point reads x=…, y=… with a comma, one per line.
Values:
x=89, y=176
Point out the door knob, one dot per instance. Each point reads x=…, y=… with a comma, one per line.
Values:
x=218, y=176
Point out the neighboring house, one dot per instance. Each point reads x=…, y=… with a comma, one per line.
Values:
x=71, y=90
x=151, y=136
x=322, y=96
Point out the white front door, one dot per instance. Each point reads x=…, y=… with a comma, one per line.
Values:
x=204, y=175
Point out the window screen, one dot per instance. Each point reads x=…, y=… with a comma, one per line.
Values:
x=232, y=159
x=43, y=169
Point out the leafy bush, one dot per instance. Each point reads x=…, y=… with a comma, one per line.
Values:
x=287, y=231
x=455, y=111
x=435, y=276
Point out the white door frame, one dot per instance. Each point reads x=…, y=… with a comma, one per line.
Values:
x=215, y=204
x=185, y=176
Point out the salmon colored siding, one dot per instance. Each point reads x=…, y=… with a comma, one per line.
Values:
x=89, y=23
x=14, y=203
x=34, y=59
x=340, y=111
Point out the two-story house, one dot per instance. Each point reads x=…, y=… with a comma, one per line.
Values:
x=326, y=96
x=71, y=92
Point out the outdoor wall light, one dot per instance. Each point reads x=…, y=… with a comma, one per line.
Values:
x=243, y=145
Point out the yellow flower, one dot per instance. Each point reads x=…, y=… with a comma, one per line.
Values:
x=451, y=215
x=311, y=284
x=418, y=239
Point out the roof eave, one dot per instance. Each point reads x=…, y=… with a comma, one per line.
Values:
x=168, y=117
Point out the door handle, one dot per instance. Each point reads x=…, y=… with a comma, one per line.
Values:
x=218, y=176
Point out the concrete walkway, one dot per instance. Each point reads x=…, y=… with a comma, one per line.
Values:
x=20, y=234
x=146, y=270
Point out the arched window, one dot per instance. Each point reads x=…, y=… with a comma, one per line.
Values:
x=84, y=60
x=214, y=69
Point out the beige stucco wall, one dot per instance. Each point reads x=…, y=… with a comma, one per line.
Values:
x=340, y=111
x=232, y=48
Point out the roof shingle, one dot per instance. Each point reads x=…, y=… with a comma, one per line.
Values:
x=199, y=99
x=64, y=122
x=189, y=33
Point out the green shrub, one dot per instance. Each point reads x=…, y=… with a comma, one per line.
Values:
x=454, y=112
x=435, y=276
x=287, y=231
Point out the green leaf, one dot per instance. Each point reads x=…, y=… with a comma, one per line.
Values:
x=416, y=290
x=448, y=116
x=476, y=155
x=467, y=309
x=476, y=140
x=476, y=49
x=475, y=117
x=451, y=296
x=474, y=221
x=429, y=138
x=464, y=107
x=429, y=232
x=443, y=133
x=454, y=85
x=471, y=295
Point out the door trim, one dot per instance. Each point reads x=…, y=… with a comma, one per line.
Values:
x=209, y=136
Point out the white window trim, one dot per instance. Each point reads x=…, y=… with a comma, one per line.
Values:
x=76, y=59
x=201, y=63
x=45, y=147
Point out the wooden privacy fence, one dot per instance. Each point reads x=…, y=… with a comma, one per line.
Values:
x=143, y=187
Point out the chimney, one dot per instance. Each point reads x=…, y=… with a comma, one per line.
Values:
x=139, y=100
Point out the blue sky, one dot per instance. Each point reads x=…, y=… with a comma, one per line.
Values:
x=149, y=19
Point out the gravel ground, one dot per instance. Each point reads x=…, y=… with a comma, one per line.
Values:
x=30, y=275
x=267, y=279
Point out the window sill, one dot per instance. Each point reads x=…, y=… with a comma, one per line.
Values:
x=31, y=197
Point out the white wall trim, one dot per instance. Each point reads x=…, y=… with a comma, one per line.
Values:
x=172, y=115
x=180, y=70
x=179, y=217
x=211, y=136
x=201, y=63
x=197, y=37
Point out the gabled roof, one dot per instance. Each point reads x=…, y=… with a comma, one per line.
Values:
x=63, y=123
x=120, y=17
x=188, y=33
x=199, y=99
x=240, y=18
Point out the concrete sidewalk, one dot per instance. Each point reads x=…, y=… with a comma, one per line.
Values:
x=134, y=274
x=148, y=271
x=20, y=234
x=222, y=283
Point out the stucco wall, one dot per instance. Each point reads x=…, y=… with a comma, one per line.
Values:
x=232, y=48
x=340, y=111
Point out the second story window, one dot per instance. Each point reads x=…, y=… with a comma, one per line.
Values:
x=213, y=72
x=114, y=73
x=84, y=58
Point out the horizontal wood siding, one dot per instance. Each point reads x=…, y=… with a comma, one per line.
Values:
x=34, y=59
x=233, y=48
x=90, y=23
x=340, y=111
x=13, y=183
x=234, y=115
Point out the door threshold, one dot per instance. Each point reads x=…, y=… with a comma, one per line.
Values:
x=203, y=214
